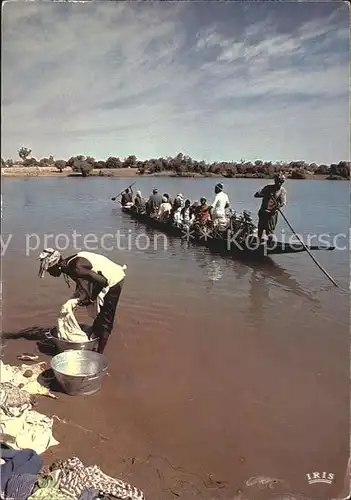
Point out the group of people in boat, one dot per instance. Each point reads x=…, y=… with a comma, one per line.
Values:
x=183, y=212
x=180, y=211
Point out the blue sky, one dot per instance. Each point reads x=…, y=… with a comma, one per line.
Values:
x=214, y=80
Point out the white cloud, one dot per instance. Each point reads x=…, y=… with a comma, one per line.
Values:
x=107, y=78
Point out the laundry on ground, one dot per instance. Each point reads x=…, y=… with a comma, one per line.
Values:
x=26, y=434
x=18, y=419
x=23, y=477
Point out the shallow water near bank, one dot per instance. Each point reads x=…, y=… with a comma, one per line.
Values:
x=219, y=367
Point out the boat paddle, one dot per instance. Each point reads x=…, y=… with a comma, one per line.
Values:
x=305, y=247
x=115, y=197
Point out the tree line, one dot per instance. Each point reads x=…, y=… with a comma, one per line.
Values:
x=183, y=165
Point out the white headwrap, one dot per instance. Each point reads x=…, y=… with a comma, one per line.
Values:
x=48, y=258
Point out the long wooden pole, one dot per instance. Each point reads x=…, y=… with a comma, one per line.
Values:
x=308, y=250
x=115, y=197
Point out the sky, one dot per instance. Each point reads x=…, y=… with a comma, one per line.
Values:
x=218, y=81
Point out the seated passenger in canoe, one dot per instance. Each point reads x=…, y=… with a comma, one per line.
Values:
x=153, y=204
x=178, y=201
x=127, y=198
x=139, y=202
x=273, y=197
x=169, y=199
x=193, y=208
x=202, y=213
x=165, y=209
x=186, y=213
x=175, y=215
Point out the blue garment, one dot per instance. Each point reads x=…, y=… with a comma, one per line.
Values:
x=18, y=462
x=89, y=494
x=20, y=486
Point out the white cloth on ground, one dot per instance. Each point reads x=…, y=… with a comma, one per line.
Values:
x=33, y=385
x=13, y=400
x=31, y=430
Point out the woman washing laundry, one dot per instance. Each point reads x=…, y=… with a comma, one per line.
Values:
x=98, y=281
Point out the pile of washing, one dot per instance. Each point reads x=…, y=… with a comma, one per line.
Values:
x=26, y=434
x=23, y=477
x=19, y=421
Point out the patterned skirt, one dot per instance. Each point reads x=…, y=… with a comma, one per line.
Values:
x=267, y=221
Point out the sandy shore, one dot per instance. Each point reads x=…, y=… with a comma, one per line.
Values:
x=19, y=171
x=53, y=172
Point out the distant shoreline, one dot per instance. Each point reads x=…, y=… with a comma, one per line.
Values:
x=32, y=172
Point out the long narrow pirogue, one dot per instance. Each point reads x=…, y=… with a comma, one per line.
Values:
x=227, y=241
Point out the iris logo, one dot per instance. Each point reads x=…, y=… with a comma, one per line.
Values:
x=320, y=477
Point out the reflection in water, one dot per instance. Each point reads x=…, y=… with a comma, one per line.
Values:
x=260, y=273
x=28, y=201
x=259, y=276
x=213, y=264
x=215, y=271
x=258, y=294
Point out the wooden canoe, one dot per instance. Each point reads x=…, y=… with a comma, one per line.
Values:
x=222, y=242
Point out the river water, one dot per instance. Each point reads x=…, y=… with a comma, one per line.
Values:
x=219, y=367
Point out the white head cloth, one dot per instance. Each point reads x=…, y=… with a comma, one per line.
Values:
x=49, y=257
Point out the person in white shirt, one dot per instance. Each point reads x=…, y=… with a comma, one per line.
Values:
x=98, y=280
x=177, y=216
x=165, y=209
x=219, y=206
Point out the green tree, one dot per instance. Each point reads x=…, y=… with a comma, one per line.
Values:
x=298, y=173
x=100, y=165
x=113, y=162
x=30, y=162
x=90, y=160
x=60, y=165
x=81, y=166
x=44, y=162
x=86, y=168
x=130, y=161
x=23, y=153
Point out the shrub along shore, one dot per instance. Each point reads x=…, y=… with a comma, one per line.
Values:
x=179, y=166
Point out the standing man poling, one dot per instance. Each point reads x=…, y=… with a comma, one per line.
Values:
x=93, y=274
x=273, y=197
